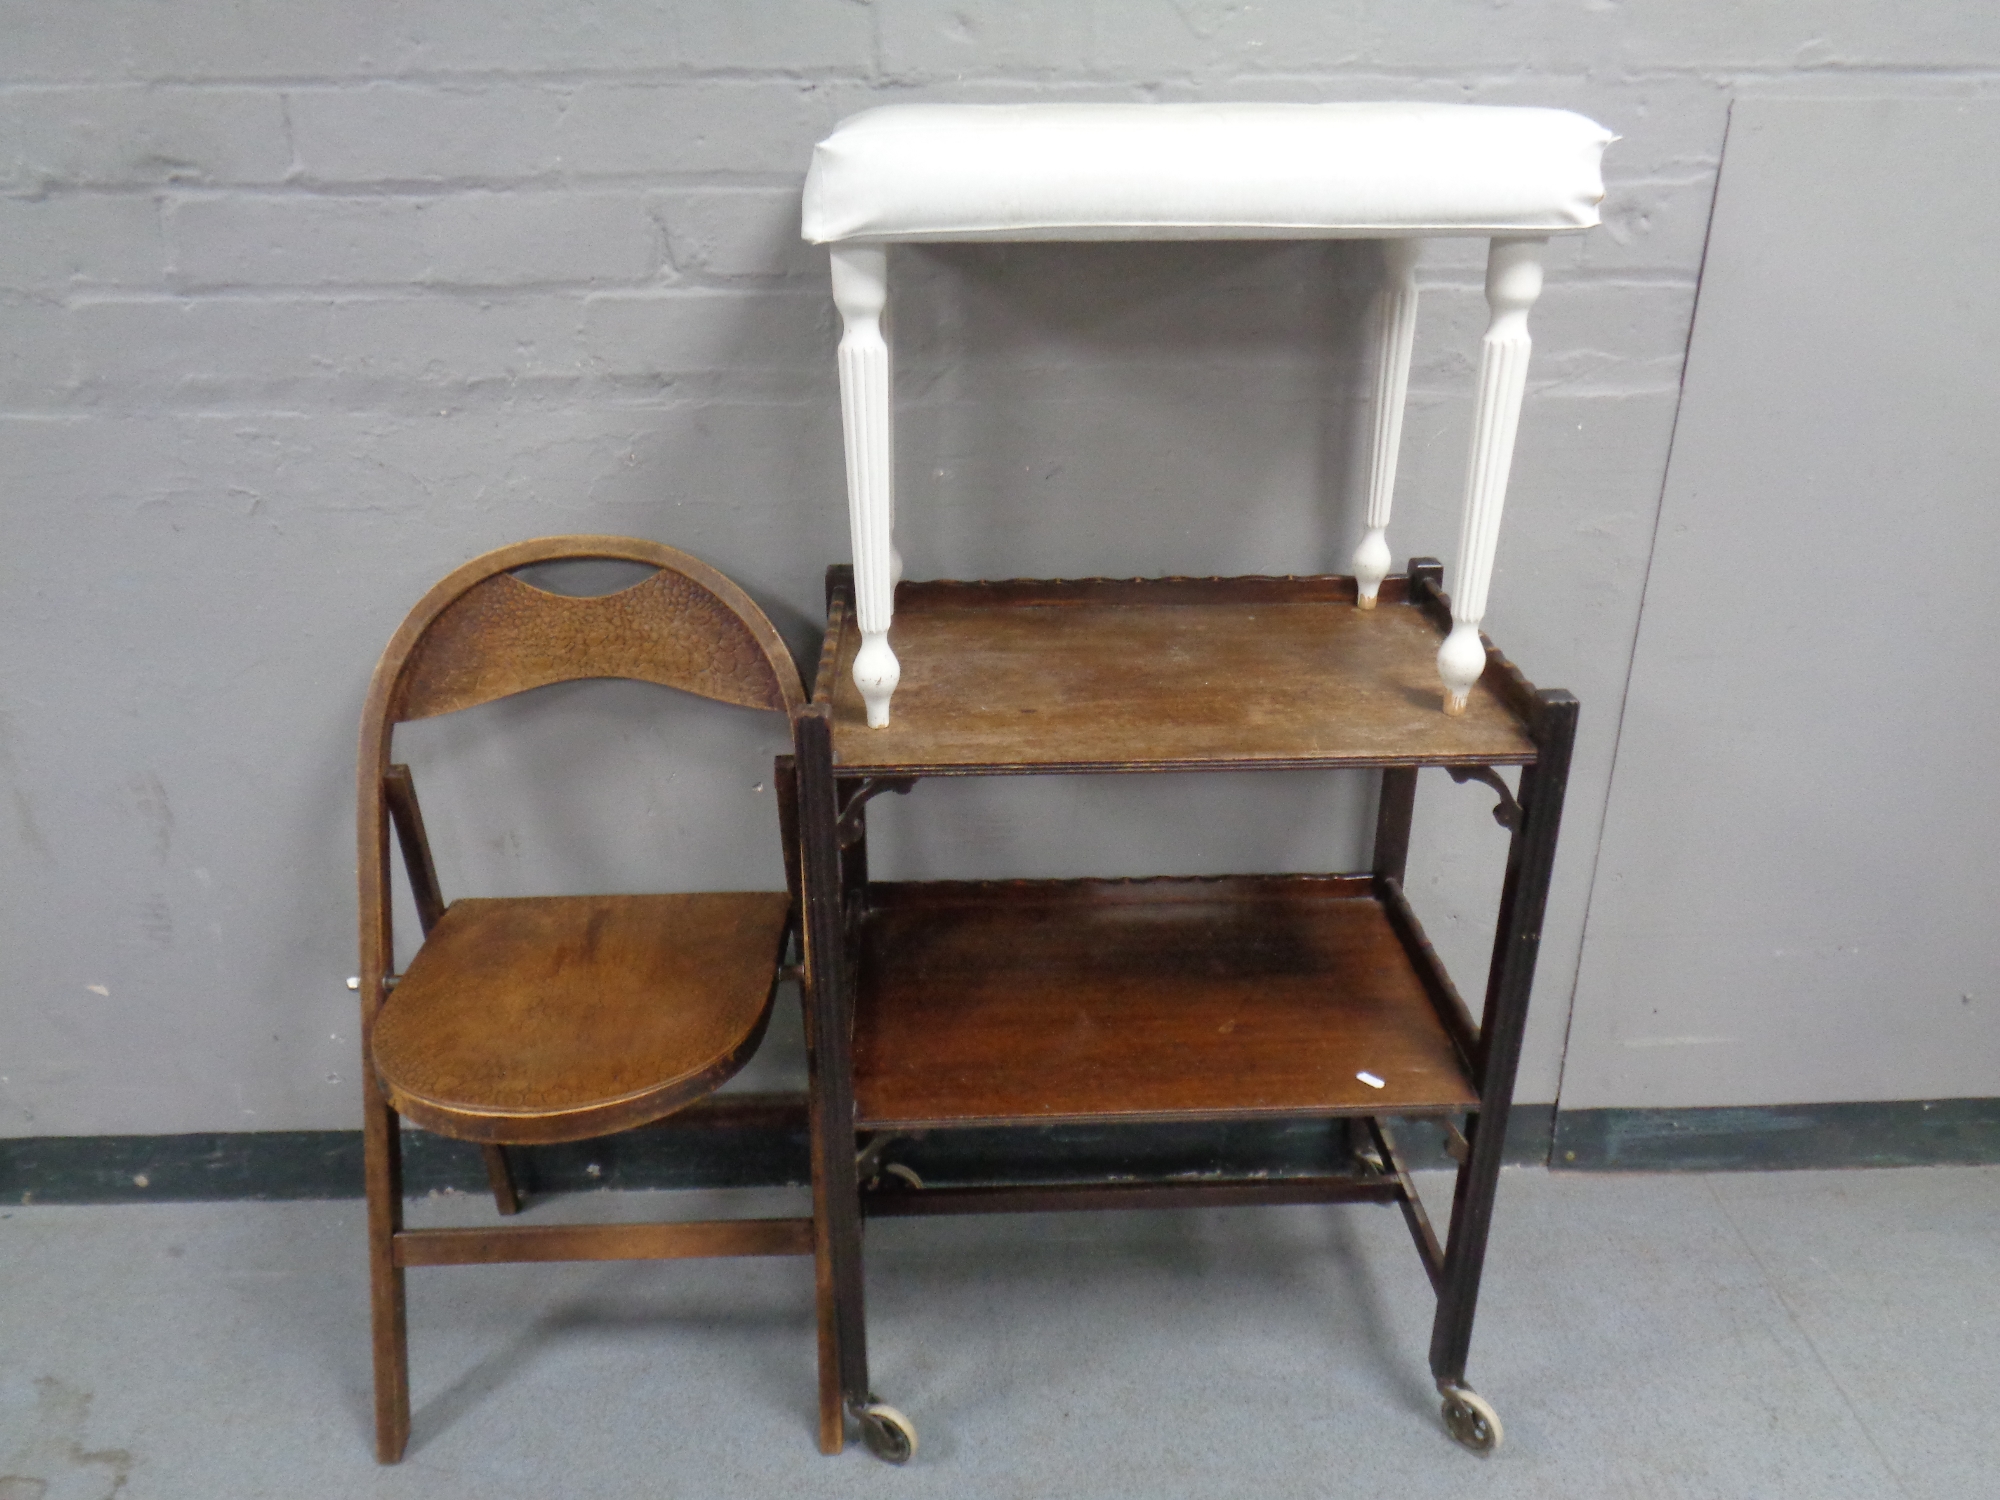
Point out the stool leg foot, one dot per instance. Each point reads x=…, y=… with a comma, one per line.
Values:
x=1371, y=565
x=876, y=673
x=1460, y=660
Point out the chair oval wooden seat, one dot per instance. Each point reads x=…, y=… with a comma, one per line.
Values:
x=560, y=1018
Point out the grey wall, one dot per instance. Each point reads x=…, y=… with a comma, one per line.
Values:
x=1795, y=899
x=301, y=306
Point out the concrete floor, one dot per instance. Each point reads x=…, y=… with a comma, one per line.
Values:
x=1811, y=1334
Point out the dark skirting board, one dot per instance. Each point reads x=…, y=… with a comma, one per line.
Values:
x=277, y=1165
x=1765, y=1137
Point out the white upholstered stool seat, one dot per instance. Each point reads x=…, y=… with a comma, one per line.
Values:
x=1397, y=172
x=1202, y=171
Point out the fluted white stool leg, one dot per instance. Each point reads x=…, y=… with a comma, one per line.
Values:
x=889, y=407
x=1513, y=281
x=861, y=292
x=1395, y=332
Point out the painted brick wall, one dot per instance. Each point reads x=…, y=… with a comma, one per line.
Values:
x=300, y=306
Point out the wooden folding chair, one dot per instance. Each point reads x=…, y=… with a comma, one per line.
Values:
x=534, y=1020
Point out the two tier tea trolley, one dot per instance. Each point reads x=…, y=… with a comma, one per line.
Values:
x=949, y=1005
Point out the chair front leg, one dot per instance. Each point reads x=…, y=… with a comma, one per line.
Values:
x=383, y=1170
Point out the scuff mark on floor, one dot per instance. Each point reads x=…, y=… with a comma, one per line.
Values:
x=43, y=1466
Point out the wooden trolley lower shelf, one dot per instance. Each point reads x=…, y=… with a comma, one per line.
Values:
x=1033, y=1002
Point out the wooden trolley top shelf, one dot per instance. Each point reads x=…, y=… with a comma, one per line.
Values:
x=1034, y=1002
x=1163, y=674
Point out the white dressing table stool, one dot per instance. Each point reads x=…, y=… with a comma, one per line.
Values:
x=1394, y=172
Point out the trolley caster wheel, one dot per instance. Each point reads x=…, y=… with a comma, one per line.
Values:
x=1469, y=1419
x=887, y=1433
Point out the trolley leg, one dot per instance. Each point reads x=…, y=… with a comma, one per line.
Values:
x=1394, y=812
x=854, y=854
x=1515, y=946
x=838, y=1202
x=832, y=1409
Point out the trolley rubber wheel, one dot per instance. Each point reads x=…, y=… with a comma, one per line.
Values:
x=1470, y=1420
x=889, y=1435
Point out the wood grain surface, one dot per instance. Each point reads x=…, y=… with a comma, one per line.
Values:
x=1156, y=674
x=504, y=636
x=687, y=1240
x=561, y=1017
x=1041, y=1001
x=897, y=1201
x=555, y=1018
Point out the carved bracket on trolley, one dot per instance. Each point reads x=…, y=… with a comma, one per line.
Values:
x=859, y=798
x=1507, y=812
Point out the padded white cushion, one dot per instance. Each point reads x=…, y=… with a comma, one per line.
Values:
x=1202, y=171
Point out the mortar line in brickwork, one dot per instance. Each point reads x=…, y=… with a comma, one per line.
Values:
x=688, y=287
x=1452, y=86
x=1617, y=279
x=454, y=81
x=553, y=181
x=1040, y=84
x=390, y=189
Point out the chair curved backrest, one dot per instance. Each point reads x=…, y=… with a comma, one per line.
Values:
x=482, y=634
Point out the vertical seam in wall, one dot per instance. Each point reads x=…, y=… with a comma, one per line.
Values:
x=1639, y=622
x=294, y=169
